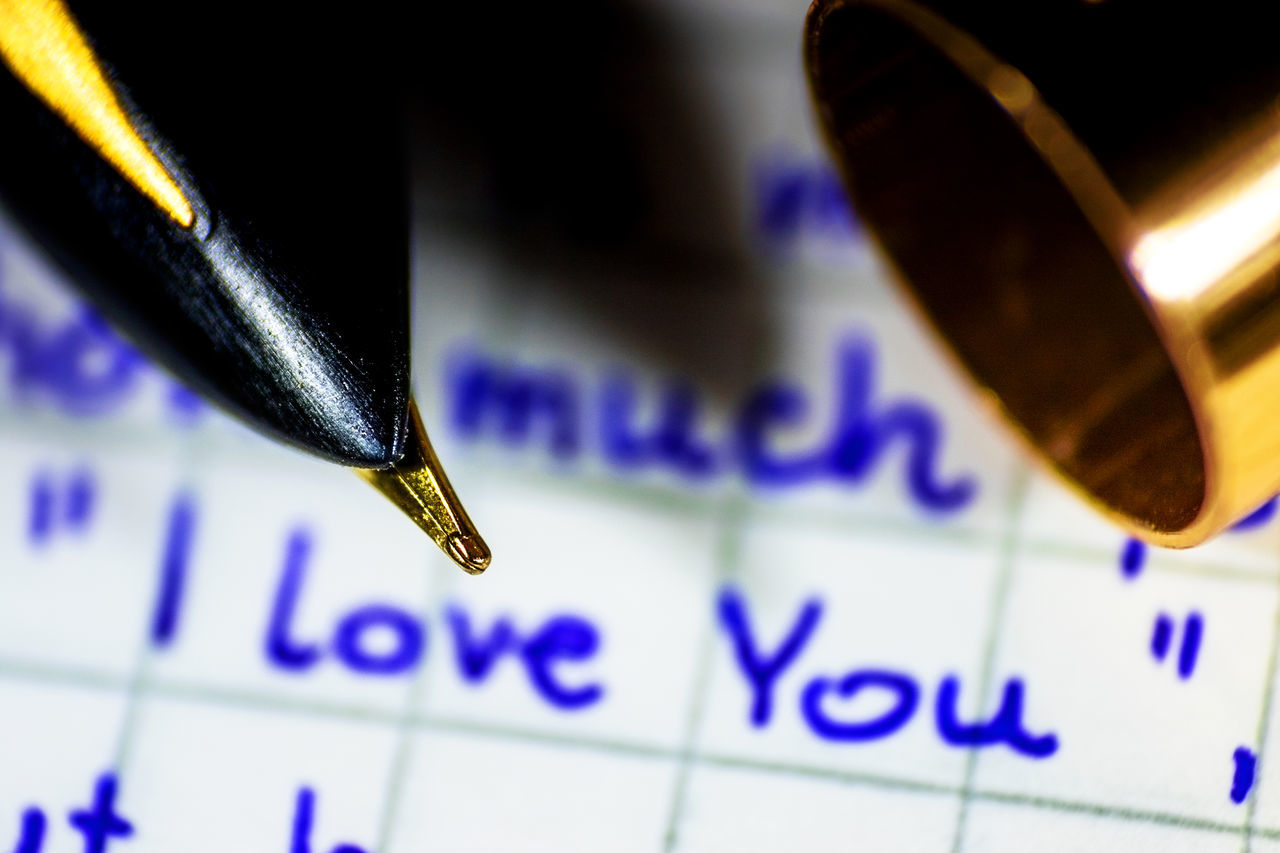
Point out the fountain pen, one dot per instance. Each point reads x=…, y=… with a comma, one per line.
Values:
x=224, y=183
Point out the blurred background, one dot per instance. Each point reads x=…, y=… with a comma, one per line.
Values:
x=767, y=573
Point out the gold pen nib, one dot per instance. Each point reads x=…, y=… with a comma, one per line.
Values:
x=418, y=486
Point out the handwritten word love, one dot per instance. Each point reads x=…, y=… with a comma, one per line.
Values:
x=384, y=639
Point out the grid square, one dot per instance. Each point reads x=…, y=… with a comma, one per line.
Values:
x=1266, y=783
x=358, y=553
x=470, y=792
x=55, y=741
x=224, y=739
x=1132, y=733
x=1058, y=519
x=79, y=594
x=905, y=366
x=1000, y=828
x=213, y=776
x=642, y=579
x=731, y=809
x=920, y=610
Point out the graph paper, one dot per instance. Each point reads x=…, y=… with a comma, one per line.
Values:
x=810, y=595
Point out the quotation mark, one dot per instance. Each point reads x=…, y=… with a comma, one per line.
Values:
x=59, y=503
x=1192, y=632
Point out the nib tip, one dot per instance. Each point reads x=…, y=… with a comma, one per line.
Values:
x=418, y=486
x=470, y=553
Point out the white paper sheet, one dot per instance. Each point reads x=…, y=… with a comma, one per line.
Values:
x=793, y=626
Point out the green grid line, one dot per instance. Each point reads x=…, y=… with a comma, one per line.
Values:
x=189, y=478
x=728, y=551
x=265, y=702
x=1264, y=724
x=401, y=756
x=1006, y=557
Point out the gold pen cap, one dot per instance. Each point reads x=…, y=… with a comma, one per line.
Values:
x=1084, y=200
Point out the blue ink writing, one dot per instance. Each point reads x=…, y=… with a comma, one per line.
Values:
x=1192, y=632
x=1132, y=558
x=383, y=640
x=174, y=562
x=1161, y=636
x=68, y=507
x=1005, y=727
x=185, y=406
x=281, y=648
x=477, y=655
x=350, y=642
x=516, y=400
x=905, y=697
x=829, y=706
x=97, y=824
x=303, y=819
x=674, y=441
x=1192, y=635
x=1133, y=555
x=1258, y=518
x=100, y=823
x=39, y=520
x=1246, y=768
x=566, y=638
x=772, y=406
x=352, y=647
x=79, y=365
x=797, y=196
x=520, y=405
x=31, y=837
x=864, y=432
x=563, y=638
x=762, y=669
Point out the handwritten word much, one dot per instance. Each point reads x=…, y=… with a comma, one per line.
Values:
x=557, y=409
x=826, y=703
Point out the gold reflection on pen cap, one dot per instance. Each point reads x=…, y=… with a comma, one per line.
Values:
x=44, y=48
x=1095, y=233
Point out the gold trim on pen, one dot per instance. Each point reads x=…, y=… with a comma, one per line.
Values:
x=42, y=45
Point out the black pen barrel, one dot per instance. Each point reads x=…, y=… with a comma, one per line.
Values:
x=284, y=299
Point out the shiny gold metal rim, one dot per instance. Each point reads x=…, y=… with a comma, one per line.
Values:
x=1194, y=257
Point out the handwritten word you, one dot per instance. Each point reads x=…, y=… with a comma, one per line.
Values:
x=824, y=697
x=565, y=414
